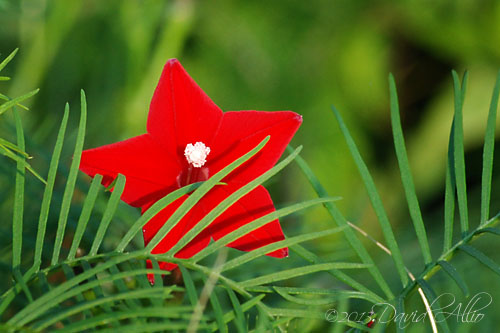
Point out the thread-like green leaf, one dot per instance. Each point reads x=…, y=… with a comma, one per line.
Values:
x=296, y=313
x=70, y=184
x=127, y=295
x=152, y=211
x=255, y=224
x=108, y=213
x=239, y=321
x=20, y=159
x=452, y=272
x=434, y=304
x=116, y=316
x=47, y=194
x=449, y=194
x=13, y=147
x=333, y=293
x=189, y=203
x=229, y=316
x=5, y=98
x=244, y=258
x=340, y=220
x=489, y=148
x=158, y=281
x=341, y=276
x=17, y=220
x=88, y=206
x=494, y=231
x=65, y=290
x=406, y=177
x=400, y=308
x=68, y=272
x=190, y=288
x=153, y=327
x=333, y=296
x=481, y=257
x=98, y=291
x=10, y=294
x=16, y=272
x=8, y=59
x=226, y=203
x=375, y=200
x=214, y=301
x=122, y=288
x=339, y=327
x=294, y=272
x=15, y=101
x=459, y=152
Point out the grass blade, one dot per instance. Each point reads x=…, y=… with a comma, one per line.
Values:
x=481, y=257
x=47, y=194
x=459, y=152
x=17, y=220
x=489, y=148
x=406, y=177
x=338, y=218
x=88, y=206
x=452, y=272
x=70, y=184
x=294, y=272
x=108, y=213
x=375, y=200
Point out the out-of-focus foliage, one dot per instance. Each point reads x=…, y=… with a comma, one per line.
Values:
x=271, y=55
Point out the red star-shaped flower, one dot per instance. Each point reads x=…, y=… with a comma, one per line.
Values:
x=189, y=139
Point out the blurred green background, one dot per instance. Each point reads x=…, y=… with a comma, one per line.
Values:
x=274, y=55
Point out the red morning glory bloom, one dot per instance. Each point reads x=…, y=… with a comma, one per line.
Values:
x=189, y=139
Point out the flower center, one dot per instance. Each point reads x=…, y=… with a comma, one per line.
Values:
x=196, y=154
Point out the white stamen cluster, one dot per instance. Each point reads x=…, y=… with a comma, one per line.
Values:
x=196, y=154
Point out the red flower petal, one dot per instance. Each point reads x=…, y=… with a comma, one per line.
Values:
x=253, y=205
x=150, y=173
x=180, y=112
x=241, y=131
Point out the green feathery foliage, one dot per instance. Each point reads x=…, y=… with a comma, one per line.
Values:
x=89, y=285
